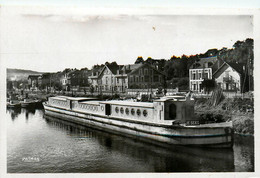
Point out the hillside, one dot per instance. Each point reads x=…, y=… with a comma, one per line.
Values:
x=19, y=74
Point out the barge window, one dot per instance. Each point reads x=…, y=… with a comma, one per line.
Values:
x=145, y=113
x=127, y=111
x=122, y=110
x=133, y=111
x=172, y=112
x=117, y=110
x=138, y=112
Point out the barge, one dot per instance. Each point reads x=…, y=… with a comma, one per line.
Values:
x=168, y=120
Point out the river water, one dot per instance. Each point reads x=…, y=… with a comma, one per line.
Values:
x=39, y=144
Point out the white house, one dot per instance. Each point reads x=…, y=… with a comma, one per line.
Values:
x=200, y=70
x=229, y=76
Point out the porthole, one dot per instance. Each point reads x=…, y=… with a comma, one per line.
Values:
x=145, y=113
x=127, y=111
x=102, y=108
x=138, y=112
x=122, y=110
x=133, y=111
x=117, y=110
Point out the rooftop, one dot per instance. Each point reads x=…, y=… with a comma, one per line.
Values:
x=73, y=98
x=204, y=63
x=129, y=103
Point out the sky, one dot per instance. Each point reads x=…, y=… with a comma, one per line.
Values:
x=49, y=39
x=143, y=3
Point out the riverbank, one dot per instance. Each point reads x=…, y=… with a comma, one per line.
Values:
x=240, y=111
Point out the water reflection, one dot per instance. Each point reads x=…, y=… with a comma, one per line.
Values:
x=14, y=112
x=62, y=146
x=170, y=159
x=245, y=153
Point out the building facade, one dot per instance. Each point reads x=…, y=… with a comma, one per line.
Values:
x=33, y=82
x=145, y=77
x=121, y=77
x=103, y=79
x=229, y=77
x=199, y=71
x=75, y=79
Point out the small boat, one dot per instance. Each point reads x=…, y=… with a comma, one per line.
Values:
x=13, y=104
x=167, y=120
x=28, y=103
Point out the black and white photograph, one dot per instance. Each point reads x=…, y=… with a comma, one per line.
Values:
x=127, y=90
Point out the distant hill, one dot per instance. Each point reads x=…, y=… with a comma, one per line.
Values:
x=20, y=74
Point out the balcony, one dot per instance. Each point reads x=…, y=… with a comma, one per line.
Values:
x=228, y=79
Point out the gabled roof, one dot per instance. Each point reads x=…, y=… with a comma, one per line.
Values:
x=130, y=67
x=97, y=69
x=145, y=64
x=113, y=68
x=203, y=61
x=33, y=76
x=238, y=67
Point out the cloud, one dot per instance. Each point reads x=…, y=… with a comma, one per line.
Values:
x=77, y=18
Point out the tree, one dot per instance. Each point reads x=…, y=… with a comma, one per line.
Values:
x=208, y=85
x=139, y=60
x=91, y=89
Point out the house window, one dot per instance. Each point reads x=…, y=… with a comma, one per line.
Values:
x=200, y=75
x=194, y=75
x=194, y=87
x=145, y=71
x=205, y=76
x=227, y=86
x=156, y=78
x=146, y=78
x=227, y=74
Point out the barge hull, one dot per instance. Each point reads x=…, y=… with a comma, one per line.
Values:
x=153, y=134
